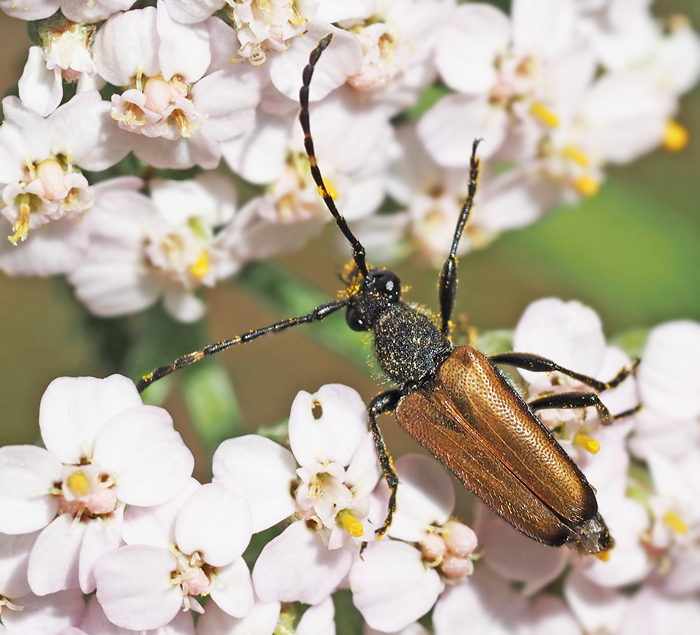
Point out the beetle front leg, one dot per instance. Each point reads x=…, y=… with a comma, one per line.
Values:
x=566, y=400
x=381, y=404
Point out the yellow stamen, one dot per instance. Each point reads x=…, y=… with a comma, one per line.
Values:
x=79, y=483
x=587, y=443
x=21, y=226
x=544, y=114
x=675, y=522
x=573, y=153
x=347, y=520
x=586, y=186
x=675, y=137
x=184, y=125
x=603, y=556
x=201, y=268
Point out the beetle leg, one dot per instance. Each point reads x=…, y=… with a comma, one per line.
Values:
x=318, y=314
x=537, y=364
x=447, y=283
x=383, y=403
x=564, y=400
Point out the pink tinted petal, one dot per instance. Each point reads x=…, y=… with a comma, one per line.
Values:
x=73, y=410
x=92, y=12
x=568, y=333
x=30, y=11
x=551, y=616
x=598, y=609
x=26, y=475
x=342, y=59
x=468, y=46
x=262, y=620
x=392, y=587
x=233, y=589
x=155, y=525
x=102, y=536
x=297, y=549
x=48, y=614
x=484, y=601
x=215, y=523
x=331, y=432
x=223, y=92
x=184, y=49
x=147, y=459
x=261, y=471
x=364, y=470
x=53, y=563
x=134, y=587
x=318, y=620
x=188, y=12
x=516, y=557
x=40, y=89
x=427, y=497
x=14, y=559
x=77, y=125
x=200, y=149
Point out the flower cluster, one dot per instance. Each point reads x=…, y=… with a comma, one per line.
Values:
x=108, y=508
x=557, y=90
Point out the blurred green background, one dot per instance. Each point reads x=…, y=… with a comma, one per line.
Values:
x=632, y=253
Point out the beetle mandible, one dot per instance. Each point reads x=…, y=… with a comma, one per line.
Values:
x=454, y=400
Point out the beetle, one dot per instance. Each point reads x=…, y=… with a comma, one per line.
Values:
x=455, y=401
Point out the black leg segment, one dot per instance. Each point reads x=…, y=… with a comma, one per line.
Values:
x=537, y=364
x=448, y=276
x=566, y=400
x=318, y=314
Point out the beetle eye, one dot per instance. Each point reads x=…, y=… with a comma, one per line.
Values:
x=355, y=319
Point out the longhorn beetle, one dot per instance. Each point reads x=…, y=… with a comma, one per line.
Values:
x=455, y=401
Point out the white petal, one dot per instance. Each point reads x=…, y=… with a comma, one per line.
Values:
x=568, y=333
x=427, y=497
x=14, y=559
x=342, y=59
x=26, y=475
x=318, y=620
x=330, y=432
x=134, y=588
x=597, y=608
x=53, y=563
x=184, y=49
x=215, y=523
x=468, y=47
x=297, y=549
x=92, y=12
x=147, y=459
x=262, y=620
x=101, y=536
x=200, y=149
x=261, y=471
x=30, y=11
x=73, y=410
x=392, y=587
x=40, y=89
x=84, y=130
x=364, y=470
x=542, y=28
x=23, y=134
x=233, y=589
x=155, y=525
x=188, y=12
x=48, y=614
x=552, y=617
x=184, y=306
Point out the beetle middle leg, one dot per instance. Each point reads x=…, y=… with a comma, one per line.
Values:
x=567, y=400
x=381, y=404
x=537, y=364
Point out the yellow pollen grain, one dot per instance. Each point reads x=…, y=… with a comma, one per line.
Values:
x=675, y=136
x=184, y=125
x=675, y=522
x=587, y=443
x=201, y=268
x=349, y=522
x=79, y=483
x=603, y=556
x=586, y=186
x=576, y=155
x=544, y=114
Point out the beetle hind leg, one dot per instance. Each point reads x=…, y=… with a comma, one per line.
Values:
x=567, y=400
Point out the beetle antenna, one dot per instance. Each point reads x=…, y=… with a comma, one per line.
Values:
x=358, y=251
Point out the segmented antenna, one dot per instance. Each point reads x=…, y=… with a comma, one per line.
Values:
x=358, y=251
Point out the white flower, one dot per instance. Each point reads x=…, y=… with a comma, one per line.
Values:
x=40, y=160
x=328, y=497
x=104, y=449
x=190, y=546
x=176, y=102
x=142, y=249
x=33, y=615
